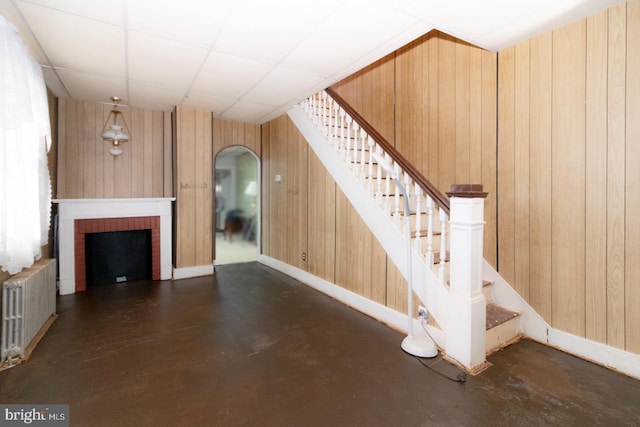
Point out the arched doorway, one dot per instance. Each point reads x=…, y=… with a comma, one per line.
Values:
x=236, y=206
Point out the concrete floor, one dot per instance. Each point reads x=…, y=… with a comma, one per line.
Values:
x=251, y=347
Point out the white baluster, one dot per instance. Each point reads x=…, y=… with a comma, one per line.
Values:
x=336, y=109
x=443, y=245
x=387, y=198
x=430, y=204
x=418, y=192
x=379, y=177
x=370, y=167
x=324, y=111
x=363, y=155
x=396, y=209
x=340, y=145
x=352, y=156
x=347, y=143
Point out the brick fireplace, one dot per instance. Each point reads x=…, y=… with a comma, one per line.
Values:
x=104, y=225
x=78, y=217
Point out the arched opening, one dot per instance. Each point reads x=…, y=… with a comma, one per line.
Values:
x=236, y=206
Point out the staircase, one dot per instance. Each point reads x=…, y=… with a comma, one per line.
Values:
x=364, y=166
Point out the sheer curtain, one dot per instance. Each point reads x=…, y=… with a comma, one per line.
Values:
x=25, y=135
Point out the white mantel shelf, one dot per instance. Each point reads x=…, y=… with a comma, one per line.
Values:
x=71, y=209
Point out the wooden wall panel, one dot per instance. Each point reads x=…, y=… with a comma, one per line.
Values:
x=506, y=164
x=87, y=170
x=488, y=167
x=194, y=198
x=227, y=133
x=168, y=164
x=616, y=96
x=462, y=138
x=596, y=179
x=568, y=177
x=521, y=169
x=582, y=195
x=632, y=202
x=540, y=255
x=295, y=182
x=322, y=221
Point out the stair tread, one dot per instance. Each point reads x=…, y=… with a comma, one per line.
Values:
x=497, y=315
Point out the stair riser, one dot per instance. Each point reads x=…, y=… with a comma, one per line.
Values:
x=502, y=335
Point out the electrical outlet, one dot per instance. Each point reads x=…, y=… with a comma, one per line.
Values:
x=422, y=313
x=304, y=256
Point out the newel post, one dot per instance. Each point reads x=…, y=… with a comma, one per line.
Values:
x=466, y=306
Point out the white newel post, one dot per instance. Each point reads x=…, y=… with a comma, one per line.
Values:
x=466, y=313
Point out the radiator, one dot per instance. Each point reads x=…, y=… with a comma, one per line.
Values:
x=28, y=301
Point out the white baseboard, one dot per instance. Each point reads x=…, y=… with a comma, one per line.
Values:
x=195, y=271
x=601, y=354
x=610, y=357
x=392, y=318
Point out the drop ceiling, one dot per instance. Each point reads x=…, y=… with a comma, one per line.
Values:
x=250, y=60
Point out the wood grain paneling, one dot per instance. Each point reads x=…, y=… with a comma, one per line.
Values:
x=568, y=177
x=521, y=169
x=632, y=202
x=596, y=179
x=540, y=255
x=194, y=198
x=87, y=170
x=506, y=164
x=227, y=133
x=583, y=194
x=322, y=221
x=616, y=97
x=488, y=167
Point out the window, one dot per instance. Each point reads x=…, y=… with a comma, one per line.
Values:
x=25, y=135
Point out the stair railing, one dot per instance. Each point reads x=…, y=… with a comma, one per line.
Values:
x=356, y=141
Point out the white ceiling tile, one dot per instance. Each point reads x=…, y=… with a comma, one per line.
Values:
x=152, y=98
x=280, y=86
x=54, y=83
x=162, y=62
x=539, y=20
x=84, y=45
x=227, y=75
x=105, y=11
x=267, y=31
x=249, y=60
x=246, y=112
x=187, y=21
x=213, y=103
x=90, y=87
x=341, y=40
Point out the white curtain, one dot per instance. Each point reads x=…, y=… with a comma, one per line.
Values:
x=25, y=135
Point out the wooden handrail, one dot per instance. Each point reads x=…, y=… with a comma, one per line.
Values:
x=437, y=195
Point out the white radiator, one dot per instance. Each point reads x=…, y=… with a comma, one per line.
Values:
x=28, y=301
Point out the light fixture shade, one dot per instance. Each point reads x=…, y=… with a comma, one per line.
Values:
x=115, y=130
x=115, y=133
x=252, y=189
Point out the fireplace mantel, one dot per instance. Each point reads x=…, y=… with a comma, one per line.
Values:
x=70, y=210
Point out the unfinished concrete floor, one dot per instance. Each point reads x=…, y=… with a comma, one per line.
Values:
x=252, y=347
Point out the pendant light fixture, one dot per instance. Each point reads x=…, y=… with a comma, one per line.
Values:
x=115, y=129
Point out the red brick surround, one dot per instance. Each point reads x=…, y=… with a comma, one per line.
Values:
x=100, y=225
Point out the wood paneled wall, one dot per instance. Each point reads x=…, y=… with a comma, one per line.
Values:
x=550, y=127
x=285, y=201
x=569, y=199
x=194, y=189
x=307, y=213
x=435, y=100
x=87, y=170
x=227, y=133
